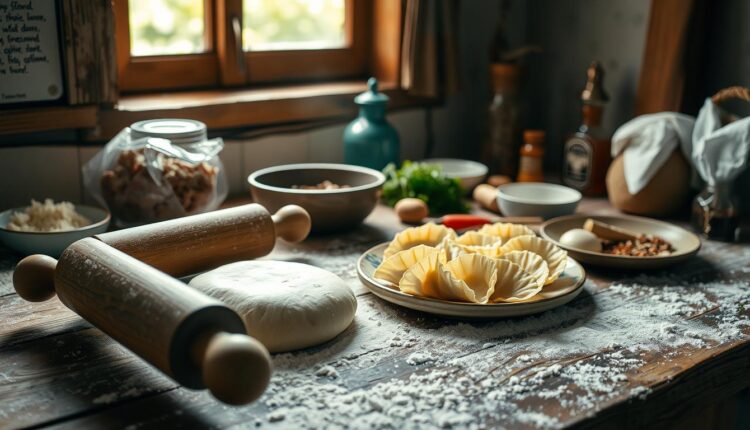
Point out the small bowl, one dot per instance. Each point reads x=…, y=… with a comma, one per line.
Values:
x=52, y=243
x=537, y=199
x=330, y=210
x=470, y=173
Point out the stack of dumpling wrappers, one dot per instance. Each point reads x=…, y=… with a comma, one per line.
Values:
x=499, y=263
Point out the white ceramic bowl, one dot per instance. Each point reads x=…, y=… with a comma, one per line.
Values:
x=537, y=199
x=470, y=173
x=52, y=243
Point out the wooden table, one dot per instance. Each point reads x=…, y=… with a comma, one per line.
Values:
x=634, y=350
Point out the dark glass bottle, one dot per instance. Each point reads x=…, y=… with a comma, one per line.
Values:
x=586, y=155
x=502, y=141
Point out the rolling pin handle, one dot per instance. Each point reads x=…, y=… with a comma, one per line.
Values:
x=34, y=278
x=236, y=367
x=292, y=223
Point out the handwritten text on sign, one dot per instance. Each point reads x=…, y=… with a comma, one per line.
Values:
x=29, y=54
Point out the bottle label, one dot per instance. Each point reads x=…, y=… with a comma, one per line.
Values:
x=577, y=163
x=530, y=165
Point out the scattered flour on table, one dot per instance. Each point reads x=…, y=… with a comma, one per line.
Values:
x=339, y=257
x=492, y=374
x=482, y=375
x=418, y=358
x=328, y=371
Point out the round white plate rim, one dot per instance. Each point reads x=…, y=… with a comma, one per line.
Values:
x=466, y=310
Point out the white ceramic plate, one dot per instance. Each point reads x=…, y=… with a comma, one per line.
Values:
x=560, y=292
x=685, y=243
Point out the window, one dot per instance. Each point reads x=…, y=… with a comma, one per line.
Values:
x=172, y=44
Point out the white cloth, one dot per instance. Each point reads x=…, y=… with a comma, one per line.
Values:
x=647, y=142
x=719, y=153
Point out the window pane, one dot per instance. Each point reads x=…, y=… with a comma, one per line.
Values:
x=166, y=27
x=271, y=25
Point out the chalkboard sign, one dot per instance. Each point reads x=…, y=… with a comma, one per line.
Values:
x=30, y=66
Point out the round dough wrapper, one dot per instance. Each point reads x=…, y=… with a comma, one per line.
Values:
x=474, y=238
x=421, y=278
x=393, y=268
x=451, y=249
x=531, y=263
x=286, y=306
x=506, y=231
x=513, y=284
x=467, y=278
x=429, y=234
x=555, y=257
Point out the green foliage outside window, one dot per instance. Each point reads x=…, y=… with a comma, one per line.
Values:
x=169, y=27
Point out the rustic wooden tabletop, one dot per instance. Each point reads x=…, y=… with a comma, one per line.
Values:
x=655, y=349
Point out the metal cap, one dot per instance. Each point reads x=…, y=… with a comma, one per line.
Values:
x=178, y=131
x=594, y=91
x=371, y=96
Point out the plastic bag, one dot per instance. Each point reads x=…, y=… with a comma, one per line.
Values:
x=150, y=179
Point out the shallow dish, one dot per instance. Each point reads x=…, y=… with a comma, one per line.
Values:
x=537, y=199
x=330, y=210
x=52, y=243
x=560, y=292
x=470, y=173
x=685, y=243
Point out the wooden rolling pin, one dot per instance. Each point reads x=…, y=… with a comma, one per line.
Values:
x=194, y=339
x=186, y=246
x=120, y=283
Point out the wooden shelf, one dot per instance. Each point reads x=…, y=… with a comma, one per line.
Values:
x=47, y=118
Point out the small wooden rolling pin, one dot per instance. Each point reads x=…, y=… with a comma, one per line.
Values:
x=195, y=339
x=189, y=245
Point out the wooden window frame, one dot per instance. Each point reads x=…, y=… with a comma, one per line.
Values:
x=164, y=72
x=221, y=64
x=99, y=113
x=318, y=64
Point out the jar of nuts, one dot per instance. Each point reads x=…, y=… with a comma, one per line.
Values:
x=157, y=170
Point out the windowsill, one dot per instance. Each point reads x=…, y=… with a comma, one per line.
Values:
x=203, y=98
x=244, y=108
x=219, y=109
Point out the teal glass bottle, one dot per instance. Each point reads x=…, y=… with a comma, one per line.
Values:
x=369, y=140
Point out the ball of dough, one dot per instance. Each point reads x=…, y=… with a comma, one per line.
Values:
x=581, y=239
x=286, y=306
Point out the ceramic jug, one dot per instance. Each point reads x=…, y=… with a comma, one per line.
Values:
x=369, y=140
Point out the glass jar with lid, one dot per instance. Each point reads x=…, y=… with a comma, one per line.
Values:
x=156, y=170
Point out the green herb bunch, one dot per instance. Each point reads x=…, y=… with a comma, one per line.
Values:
x=426, y=182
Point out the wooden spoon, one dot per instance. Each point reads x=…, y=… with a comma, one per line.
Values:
x=609, y=232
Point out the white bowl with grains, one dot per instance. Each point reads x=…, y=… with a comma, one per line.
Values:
x=48, y=228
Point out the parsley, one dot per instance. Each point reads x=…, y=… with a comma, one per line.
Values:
x=426, y=182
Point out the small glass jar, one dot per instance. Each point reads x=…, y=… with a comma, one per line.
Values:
x=715, y=213
x=530, y=167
